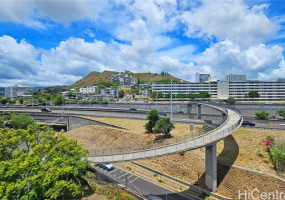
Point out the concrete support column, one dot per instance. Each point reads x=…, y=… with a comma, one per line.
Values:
x=199, y=112
x=211, y=167
x=189, y=109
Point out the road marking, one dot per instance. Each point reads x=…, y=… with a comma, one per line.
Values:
x=122, y=175
x=130, y=176
x=133, y=180
x=113, y=171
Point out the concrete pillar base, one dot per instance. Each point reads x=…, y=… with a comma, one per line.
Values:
x=211, y=167
x=199, y=112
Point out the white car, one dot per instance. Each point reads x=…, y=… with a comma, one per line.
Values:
x=107, y=166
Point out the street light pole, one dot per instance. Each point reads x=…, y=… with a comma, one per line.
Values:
x=62, y=107
x=171, y=104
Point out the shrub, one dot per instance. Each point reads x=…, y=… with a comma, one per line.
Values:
x=278, y=156
x=261, y=155
x=262, y=115
x=270, y=139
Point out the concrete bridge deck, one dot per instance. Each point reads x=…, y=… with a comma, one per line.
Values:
x=232, y=123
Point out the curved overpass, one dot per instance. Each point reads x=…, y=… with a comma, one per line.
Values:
x=231, y=122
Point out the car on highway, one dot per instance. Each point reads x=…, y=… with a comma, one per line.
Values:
x=107, y=166
x=132, y=109
x=46, y=110
x=248, y=123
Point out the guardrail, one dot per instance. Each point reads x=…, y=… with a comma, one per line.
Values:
x=203, y=137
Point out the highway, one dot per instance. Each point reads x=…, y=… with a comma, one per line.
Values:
x=139, y=185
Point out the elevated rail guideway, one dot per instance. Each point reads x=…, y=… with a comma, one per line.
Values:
x=230, y=122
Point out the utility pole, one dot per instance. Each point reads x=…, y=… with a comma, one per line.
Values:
x=171, y=104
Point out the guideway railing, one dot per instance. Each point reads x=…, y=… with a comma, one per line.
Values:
x=199, y=138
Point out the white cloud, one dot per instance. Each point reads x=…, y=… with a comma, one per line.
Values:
x=231, y=20
x=226, y=57
x=16, y=11
x=29, y=12
x=17, y=59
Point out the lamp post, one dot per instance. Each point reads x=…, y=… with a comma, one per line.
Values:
x=62, y=106
x=171, y=104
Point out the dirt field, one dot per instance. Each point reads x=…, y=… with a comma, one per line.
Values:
x=95, y=137
x=245, y=148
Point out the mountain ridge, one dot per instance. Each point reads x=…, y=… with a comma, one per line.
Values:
x=105, y=77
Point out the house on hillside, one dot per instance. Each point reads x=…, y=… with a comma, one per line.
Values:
x=124, y=80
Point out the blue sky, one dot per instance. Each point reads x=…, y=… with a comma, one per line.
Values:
x=58, y=42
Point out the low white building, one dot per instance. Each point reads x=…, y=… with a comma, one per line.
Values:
x=110, y=91
x=88, y=90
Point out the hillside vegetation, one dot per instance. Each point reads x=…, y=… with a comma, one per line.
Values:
x=105, y=77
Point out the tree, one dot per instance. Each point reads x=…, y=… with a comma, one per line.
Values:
x=253, y=94
x=21, y=100
x=164, y=125
x=281, y=113
x=4, y=101
x=156, y=95
x=203, y=94
x=20, y=121
x=262, y=115
x=152, y=119
x=2, y=121
x=101, y=86
x=58, y=100
x=192, y=95
x=231, y=100
x=121, y=93
x=37, y=164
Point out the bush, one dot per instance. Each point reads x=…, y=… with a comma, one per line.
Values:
x=231, y=100
x=281, y=113
x=262, y=115
x=278, y=156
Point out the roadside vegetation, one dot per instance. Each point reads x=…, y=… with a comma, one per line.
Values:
x=38, y=163
x=262, y=114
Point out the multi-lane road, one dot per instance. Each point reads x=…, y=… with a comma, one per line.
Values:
x=139, y=185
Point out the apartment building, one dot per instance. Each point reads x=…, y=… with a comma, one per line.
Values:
x=16, y=91
x=186, y=88
x=124, y=80
x=235, y=86
x=268, y=90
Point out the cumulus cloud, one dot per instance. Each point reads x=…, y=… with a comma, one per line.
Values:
x=17, y=59
x=142, y=40
x=226, y=57
x=160, y=15
x=232, y=20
